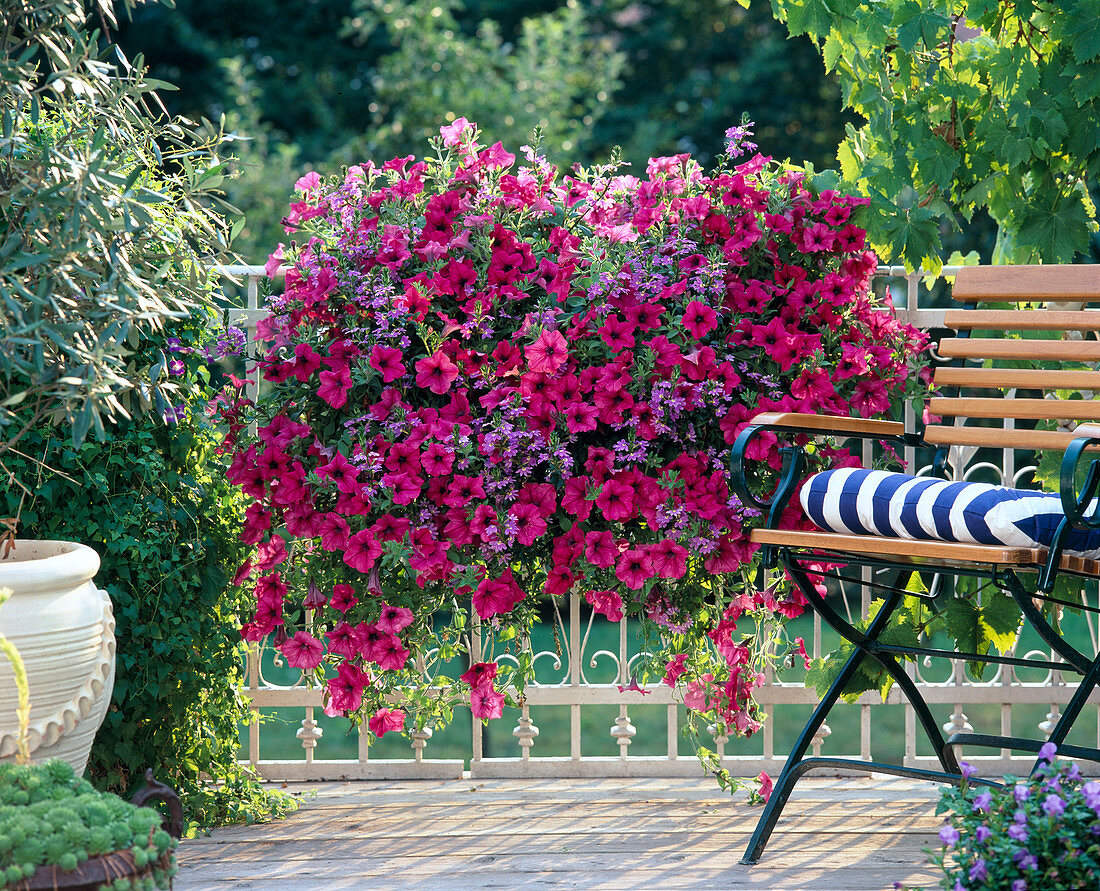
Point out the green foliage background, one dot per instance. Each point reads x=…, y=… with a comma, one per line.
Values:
x=153, y=502
x=320, y=84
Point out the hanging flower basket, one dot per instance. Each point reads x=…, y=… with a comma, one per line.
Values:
x=489, y=383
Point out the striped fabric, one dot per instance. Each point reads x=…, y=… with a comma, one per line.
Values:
x=874, y=502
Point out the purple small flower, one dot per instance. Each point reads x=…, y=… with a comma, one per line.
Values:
x=967, y=770
x=1021, y=793
x=176, y=367
x=982, y=834
x=1019, y=885
x=1054, y=806
x=949, y=835
x=737, y=139
x=979, y=872
x=1091, y=791
x=982, y=801
x=1025, y=860
x=1047, y=752
x=1018, y=832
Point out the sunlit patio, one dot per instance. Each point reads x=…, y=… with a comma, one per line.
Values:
x=575, y=833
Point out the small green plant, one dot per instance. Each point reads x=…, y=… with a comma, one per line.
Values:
x=1038, y=833
x=49, y=816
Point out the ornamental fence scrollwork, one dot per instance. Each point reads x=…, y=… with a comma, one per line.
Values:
x=585, y=675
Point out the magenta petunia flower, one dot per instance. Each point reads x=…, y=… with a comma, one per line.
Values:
x=485, y=702
x=600, y=548
x=607, y=603
x=616, y=500
x=669, y=559
x=634, y=568
x=548, y=353
x=387, y=362
x=394, y=618
x=334, y=386
x=386, y=719
x=362, y=550
x=302, y=650
x=436, y=373
x=699, y=319
x=480, y=674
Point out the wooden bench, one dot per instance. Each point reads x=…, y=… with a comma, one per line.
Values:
x=1005, y=389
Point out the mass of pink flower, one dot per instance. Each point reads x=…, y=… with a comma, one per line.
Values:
x=493, y=381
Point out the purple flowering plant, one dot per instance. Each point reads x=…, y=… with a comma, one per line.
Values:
x=1029, y=834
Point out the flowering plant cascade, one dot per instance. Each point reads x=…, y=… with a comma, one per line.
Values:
x=487, y=385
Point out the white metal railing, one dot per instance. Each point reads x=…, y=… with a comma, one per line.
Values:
x=575, y=677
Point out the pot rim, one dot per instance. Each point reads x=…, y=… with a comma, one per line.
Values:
x=36, y=565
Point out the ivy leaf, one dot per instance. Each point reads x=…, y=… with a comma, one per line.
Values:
x=913, y=235
x=1000, y=618
x=813, y=17
x=936, y=161
x=1083, y=29
x=1057, y=230
x=916, y=23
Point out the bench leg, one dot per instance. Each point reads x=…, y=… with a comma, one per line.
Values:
x=797, y=763
x=784, y=783
x=867, y=642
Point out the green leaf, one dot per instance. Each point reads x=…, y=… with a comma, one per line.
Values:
x=1082, y=27
x=813, y=17
x=936, y=161
x=1056, y=226
x=916, y=23
x=1001, y=618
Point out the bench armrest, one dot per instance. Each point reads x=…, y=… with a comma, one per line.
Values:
x=830, y=425
x=1081, y=508
x=793, y=458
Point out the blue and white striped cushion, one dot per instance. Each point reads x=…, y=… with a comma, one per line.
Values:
x=874, y=502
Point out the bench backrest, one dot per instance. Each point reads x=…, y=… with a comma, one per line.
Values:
x=1046, y=342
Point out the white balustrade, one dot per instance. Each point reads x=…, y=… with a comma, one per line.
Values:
x=584, y=677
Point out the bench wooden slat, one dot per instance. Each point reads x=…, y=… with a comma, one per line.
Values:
x=1022, y=319
x=903, y=548
x=911, y=550
x=1030, y=409
x=996, y=437
x=1047, y=350
x=829, y=424
x=1005, y=378
x=1017, y=284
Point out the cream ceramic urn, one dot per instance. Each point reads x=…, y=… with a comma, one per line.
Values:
x=64, y=628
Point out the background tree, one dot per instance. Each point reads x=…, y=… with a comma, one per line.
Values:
x=314, y=86
x=981, y=105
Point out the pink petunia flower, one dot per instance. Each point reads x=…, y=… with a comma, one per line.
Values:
x=362, y=551
x=303, y=651
x=386, y=719
x=634, y=568
x=334, y=386
x=485, y=703
x=600, y=548
x=480, y=674
x=394, y=618
x=387, y=362
x=343, y=598
x=699, y=319
x=436, y=373
x=607, y=603
x=548, y=353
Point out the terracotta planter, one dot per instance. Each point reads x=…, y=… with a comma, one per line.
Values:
x=91, y=874
x=64, y=628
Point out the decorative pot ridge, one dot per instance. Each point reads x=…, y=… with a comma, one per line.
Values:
x=64, y=628
x=40, y=565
